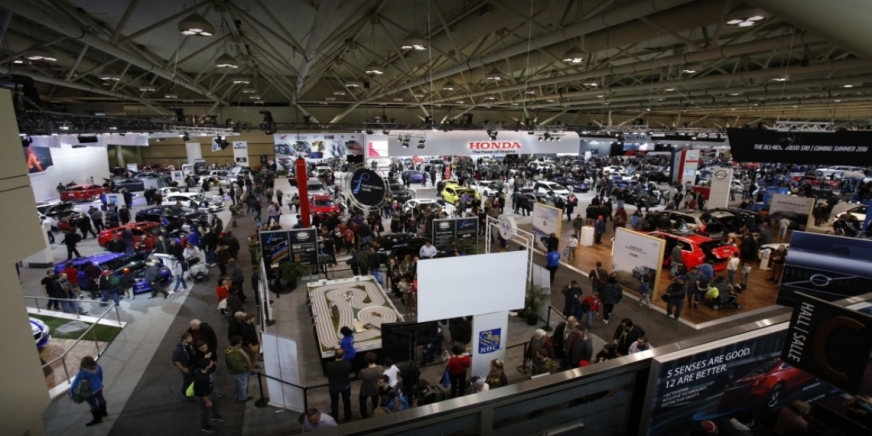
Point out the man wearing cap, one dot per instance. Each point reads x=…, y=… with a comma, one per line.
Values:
x=108, y=287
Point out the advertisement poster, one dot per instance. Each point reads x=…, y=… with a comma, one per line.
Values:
x=275, y=250
x=315, y=146
x=637, y=257
x=546, y=220
x=721, y=185
x=199, y=165
x=240, y=153
x=773, y=190
x=38, y=159
x=850, y=147
x=796, y=209
x=444, y=231
x=178, y=176
x=368, y=188
x=467, y=229
x=132, y=167
x=281, y=364
x=828, y=267
x=716, y=381
x=376, y=149
x=304, y=247
x=489, y=336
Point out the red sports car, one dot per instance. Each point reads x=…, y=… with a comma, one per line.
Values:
x=323, y=204
x=697, y=249
x=82, y=193
x=144, y=232
x=767, y=384
x=816, y=182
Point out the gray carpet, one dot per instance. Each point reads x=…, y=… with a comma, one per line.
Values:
x=156, y=408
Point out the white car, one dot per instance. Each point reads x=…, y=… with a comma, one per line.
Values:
x=54, y=211
x=167, y=190
x=771, y=247
x=194, y=200
x=625, y=177
x=837, y=171
x=545, y=187
x=612, y=169
x=431, y=202
x=487, y=187
x=857, y=211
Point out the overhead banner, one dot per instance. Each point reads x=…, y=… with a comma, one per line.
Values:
x=304, y=247
x=817, y=148
x=240, y=153
x=637, y=257
x=490, y=332
x=457, y=229
x=475, y=142
x=546, y=220
x=830, y=342
x=281, y=365
x=828, y=267
x=275, y=250
x=315, y=146
x=795, y=209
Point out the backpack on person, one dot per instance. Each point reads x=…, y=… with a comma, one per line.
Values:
x=402, y=398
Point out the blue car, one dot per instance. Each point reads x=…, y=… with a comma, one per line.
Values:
x=414, y=176
x=117, y=262
x=40, y=332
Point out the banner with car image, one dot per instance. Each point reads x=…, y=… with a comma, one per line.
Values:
x=546, y=220
x=796, y=209
x=315, y=147
x=637, y=257
x=275, y=250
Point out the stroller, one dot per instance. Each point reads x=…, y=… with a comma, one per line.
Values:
x=197, y=270
x=724, y=300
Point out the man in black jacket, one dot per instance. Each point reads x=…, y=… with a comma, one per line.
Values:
x=183, y=362
x=675, y=296
x=339, y=383
x=626, y=334
x=201, y=331
x=205, y=395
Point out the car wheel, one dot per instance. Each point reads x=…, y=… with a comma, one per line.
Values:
x=775, y=396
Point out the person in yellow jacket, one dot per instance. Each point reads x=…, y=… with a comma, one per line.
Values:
x=239, y=365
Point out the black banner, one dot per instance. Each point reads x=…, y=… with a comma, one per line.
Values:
x=275, y=250
x=467, y=228
x=368, y=187
x=304, y=247
x=817, y=148
x=444, y=231
x=830, y=342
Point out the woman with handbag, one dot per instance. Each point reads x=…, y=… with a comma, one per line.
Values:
x=87, y=386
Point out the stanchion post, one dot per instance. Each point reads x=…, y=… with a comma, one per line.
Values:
x=262, y=401
x=547, y=326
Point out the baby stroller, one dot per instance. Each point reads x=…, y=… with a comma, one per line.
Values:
x=429, y=393
x=724, y=300
x=197, y=270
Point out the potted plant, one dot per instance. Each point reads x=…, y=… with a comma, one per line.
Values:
x=290, y=272
x=536, y=298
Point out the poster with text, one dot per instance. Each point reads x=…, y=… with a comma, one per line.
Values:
x=240, y=153
x=796, y=209
x=546, y=220
x=304, y=247
x=315, y=147
x=637, y=257
x=444, y=231
x=275, y=250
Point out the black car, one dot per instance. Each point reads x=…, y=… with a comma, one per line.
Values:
x=397, y=244
x=655, y=176
x=572, y=184
x=132, y=185
x=641, y=198
x=177, y=216
x=734, y=218
x=400, y=193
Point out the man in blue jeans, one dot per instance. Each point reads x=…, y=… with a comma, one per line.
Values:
x=238, y=365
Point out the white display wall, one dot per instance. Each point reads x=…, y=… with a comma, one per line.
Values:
x=69, y=164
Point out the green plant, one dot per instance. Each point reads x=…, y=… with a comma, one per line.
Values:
x=536, y=298
x=467, y=246
x=281, y=173
x=290, y=271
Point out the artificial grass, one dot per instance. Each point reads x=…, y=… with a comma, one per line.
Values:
x=104, y=333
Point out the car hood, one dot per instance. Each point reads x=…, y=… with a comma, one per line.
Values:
x=719, y=249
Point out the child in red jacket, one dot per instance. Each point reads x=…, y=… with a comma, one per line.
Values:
x=591, y=305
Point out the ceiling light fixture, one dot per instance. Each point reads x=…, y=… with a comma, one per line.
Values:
x=490, y=97
x=339, y=93
x=847, y=85
x=352, y=84
x=170, y=96
x=746, y=18
x=494, y=74
x=241, y=80
x=419, y=96
x=780, y=79
x=249, y=90
x=669, y=89
x=398, y=99
x=449, y=86
x=573, y=56
x=591, y=84
x=689, y=69
x=329, y=98
x=254, y=97
x=114, y=77
x=374, y=68
x=39, y=52
x=226, y=61
x=196, y=25
x=415, y=41
x=145, y=88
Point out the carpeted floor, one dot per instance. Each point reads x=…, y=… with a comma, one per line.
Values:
x=156, y=395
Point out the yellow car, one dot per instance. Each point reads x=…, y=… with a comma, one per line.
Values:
x=452, y=193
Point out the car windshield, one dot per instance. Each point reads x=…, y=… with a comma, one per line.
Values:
x=324, y=202
x=315, y=186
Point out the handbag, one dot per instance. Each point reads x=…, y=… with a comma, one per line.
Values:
x=190, y=391
x=82, y=391
x=446, y=379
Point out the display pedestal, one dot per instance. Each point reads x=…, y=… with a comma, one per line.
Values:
x=764, y=260
x=586, y=236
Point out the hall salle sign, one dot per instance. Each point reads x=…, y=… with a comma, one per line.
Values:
x=818, y=148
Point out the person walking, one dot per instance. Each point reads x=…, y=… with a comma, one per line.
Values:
x=572, y=246
x=339, y=383
x=675, y=294
x=579, y=348
x=599, y=228
x=732, y=267
x=369, y=384
x=250, y=338
x=183, y=361
x=204, y=392
x=552, y=263
x=108, y=285
x=611, y=296
x=239, y=365
x=87, y=386
x=572, y=299
x=70, y=240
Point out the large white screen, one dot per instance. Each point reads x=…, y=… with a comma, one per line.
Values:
x=471, y=285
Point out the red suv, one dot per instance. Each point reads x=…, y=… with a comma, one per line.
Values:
x=323, y=204
x=82, y=193
x=767, y=384
x=697, y=249
x=144, y=232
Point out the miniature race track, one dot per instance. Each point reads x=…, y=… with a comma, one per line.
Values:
x=360, y=300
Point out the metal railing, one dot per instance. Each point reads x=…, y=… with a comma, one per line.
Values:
x=63, y=357
x=77, y=302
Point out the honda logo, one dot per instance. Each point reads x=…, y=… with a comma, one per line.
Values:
x=494, y=146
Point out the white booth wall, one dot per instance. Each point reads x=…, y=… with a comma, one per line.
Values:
x=70, y=164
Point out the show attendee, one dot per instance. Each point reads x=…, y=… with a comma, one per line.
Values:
x=428, y=251
x=552, y=242
x=316, y=420
x=49, y=288
x=201, y=331
x=70, y=240
x=791, y=419
x=46, y=227
x=644, y=292
x=626, y=334
x=641, y=344
x=577, y=224
x=598, y=277
x=542, y=364
x=92, y=374
x=457, y=366
x=732, y=267
x=609, y=351
x=347, y=343
x=675, y=259
x=675, y=294
x=573, y=246
x=572, y=299
x=599, y=228
x=552, y=263
x=478, y=384
x=497, y=377
x=611, y=295
x=152, y=276
x=540, y=342
x=580, y=348
x=591, y=306
x=205, y=394
x=777, y=259
x=179, y=272
x=369, y=384
x=69, y=293
x=783, y=226
x=692, y=280
x=250, y=338
x=108, y=285
x=561, y=333
x=339, y=383
x=182, y=360
x=392, y=372
x=389, y=397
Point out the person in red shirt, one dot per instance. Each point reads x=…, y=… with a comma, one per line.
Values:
x=73, y=277
x=591, y=306
x=457, y=366
x=223, y=290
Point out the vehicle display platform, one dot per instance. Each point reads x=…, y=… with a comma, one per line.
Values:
x=359, y=303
